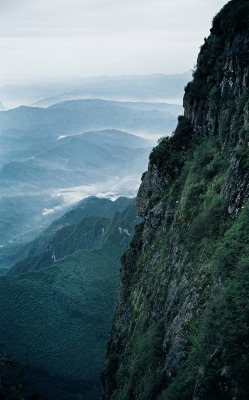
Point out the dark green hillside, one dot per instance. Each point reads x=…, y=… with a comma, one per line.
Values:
x=32, y=254
x=58, y=319
x=85, y=235
x=181, y=326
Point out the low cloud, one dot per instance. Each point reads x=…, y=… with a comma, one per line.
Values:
x=112, y=189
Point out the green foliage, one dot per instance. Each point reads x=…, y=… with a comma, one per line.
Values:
x=201, y=244
x=233, y=246
x=180, y=388
x=215, y=95
x=241, y=103
x=219, y=346
x=11, y=379
x=207, y=161
x=208, y=224
x=36, y=255
x=72, y=301
x=233, y=317
x=194, y=195
x=204, y=176
x=232, y=19
x=192, y=270
x=144, y=369
x=60, y=316
x=170, y=154
x=219, y=336
x=242, y=154
x=220, y=342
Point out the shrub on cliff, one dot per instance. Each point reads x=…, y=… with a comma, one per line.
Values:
x=170, y=154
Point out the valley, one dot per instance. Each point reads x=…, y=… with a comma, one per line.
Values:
x=59, y=302
x=68, y=176
x=52, y=157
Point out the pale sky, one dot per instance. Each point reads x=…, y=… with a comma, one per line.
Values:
x=77, y=38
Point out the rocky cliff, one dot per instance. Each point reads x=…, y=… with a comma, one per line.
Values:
x=181, y=326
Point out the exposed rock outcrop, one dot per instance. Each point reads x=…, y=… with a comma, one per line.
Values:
x=181, y=327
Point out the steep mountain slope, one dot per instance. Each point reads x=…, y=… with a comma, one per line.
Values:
x=57, y=320
x=87, y=233
x=181, y=326
x=27, y=253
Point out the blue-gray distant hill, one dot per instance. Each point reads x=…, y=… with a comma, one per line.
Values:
x=155, y=87
x=53, y=157
x=78, y=160
x=76, y=116
x=108, y=159
x=26, y=131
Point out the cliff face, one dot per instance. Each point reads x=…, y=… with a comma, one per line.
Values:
x=181, y=326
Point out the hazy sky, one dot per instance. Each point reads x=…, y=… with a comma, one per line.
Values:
x=71, y=38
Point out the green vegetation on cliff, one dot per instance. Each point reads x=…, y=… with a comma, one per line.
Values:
x=181, y=326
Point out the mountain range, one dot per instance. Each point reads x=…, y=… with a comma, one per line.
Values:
x=49, y=161
x=38, y=190
x=152, y=88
